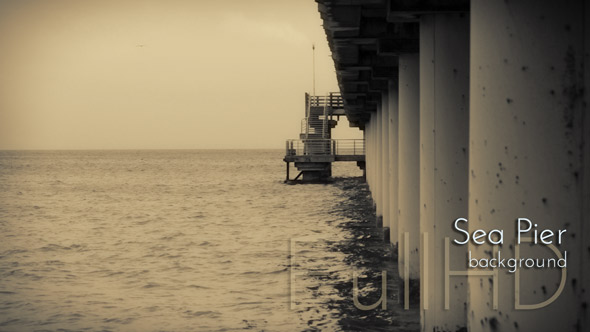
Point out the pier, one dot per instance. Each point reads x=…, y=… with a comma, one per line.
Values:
x=474, y=109
x=315, y=150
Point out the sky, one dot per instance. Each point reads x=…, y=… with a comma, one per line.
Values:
x=167, y=74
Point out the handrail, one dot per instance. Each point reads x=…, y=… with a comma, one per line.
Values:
x=333, y=100
x=316, y=124
x=327, y=147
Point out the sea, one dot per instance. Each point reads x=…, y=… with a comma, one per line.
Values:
x=185, y=240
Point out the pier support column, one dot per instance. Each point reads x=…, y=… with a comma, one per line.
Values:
x=408, y=169
x=379, y=165
x=384, y=138
x=444, y=128
x=374, y=124
x=366, y=138
x=393, y=160
x=527, y=141
x=374, y=192
x=369, y=155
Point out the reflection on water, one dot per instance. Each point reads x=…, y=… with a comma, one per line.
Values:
x=183, y=240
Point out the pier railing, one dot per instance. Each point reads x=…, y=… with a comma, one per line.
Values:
x=325, y=147
x=349, y=147
x=333, y=100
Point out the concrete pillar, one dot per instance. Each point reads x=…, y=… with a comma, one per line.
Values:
x=373, y=159
x=366, y=138
x=528, y=133
x=393, y=160
x=369, y=154
x=408, y=169
x=385, y=160
x=379, y=165
x=444, y=128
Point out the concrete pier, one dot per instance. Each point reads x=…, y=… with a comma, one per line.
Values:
x=476, y=110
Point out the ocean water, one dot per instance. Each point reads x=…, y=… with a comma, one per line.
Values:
x=195, y=240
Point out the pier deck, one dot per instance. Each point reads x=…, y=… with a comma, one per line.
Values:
x=314, y=157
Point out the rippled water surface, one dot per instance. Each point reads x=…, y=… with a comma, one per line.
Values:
x=174, y=241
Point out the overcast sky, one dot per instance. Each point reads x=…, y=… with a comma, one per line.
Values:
x=128, y=74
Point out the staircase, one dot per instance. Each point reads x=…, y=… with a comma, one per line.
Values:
x=315, y=150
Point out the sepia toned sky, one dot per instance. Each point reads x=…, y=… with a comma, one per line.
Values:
x=135, y=74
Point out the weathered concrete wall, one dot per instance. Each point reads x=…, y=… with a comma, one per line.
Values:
x=444, y=127
x=527, y=137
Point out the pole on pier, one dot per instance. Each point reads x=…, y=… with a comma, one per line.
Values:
x=287, y=180
x=313, y=66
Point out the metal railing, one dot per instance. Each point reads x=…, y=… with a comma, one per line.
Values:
x=349, y=147
x=334, y=100
x=311, y=147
